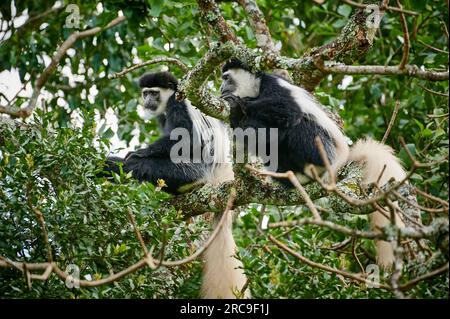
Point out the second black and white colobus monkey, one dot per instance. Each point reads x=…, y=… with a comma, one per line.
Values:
x=265, y=101
x=223, y=274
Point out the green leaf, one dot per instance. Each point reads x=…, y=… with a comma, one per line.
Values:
x=429, y=59
x=156, y=7
x=108, y=133
x=344, y=10
x=404, y=156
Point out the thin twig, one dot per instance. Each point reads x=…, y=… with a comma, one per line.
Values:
x=391, y=122
x=415, y=162
x=445, y=29
x=431, y=197
x=331, y=174
x=332, y=187
x=38, y=16
x=147, y=260
x=330, y=225
x=388, y=8
x=213, y=235
x=426, y=209
x=293, y=179
x=342, y=244
x=356, y=256
x=177, y=62
x=432, y=47
x=324, y=267
x=137, y=232
x=435, y=116
x=41, y=220
x=432, y=91
x=163, y=247
x=410, y=284
x=406, y=232
x=406, y=44
x=398, y=267
x=244, y=288
x=381, y=174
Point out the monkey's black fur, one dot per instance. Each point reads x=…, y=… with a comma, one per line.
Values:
x=154, y=162
x=164, y=80
x=235, y=64
x=275, y=107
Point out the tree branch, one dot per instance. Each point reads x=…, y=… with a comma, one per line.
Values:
x=45, y=75
x=345, y=197
x=383, y=7
x=409, y=70
x=177, y=62
x=211, y=13
x=391, y=122
x=258, y=23
x=192, y=86
x=50, y=267
x=324, y=267
x=431, y=274
x=355, y=39
x=406, y=44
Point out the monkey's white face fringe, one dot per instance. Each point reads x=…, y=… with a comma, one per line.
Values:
x=247, y=84
x=164, y=94
x=145, y=113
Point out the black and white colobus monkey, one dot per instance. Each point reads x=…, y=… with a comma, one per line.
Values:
x=265, y=101
x=222, y=274
x=155, y=162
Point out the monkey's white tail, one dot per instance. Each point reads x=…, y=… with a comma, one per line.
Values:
x=223, y=276
x=374, y=156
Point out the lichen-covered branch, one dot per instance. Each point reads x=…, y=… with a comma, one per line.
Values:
x=251, y=188
x=408, y=70
x=355, y=39
x=211, y=13
x=258, y=23
x=192, y=86
x=383, y=7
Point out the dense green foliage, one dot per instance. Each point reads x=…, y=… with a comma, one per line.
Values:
x=86, y=217
x=52, y=165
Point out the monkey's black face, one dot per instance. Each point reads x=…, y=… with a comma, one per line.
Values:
x=228, y=85
x=152, y=98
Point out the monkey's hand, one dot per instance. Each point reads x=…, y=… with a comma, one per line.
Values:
x=237, y=109
x=159, y=148
x=142, y=153
x=234, y=101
